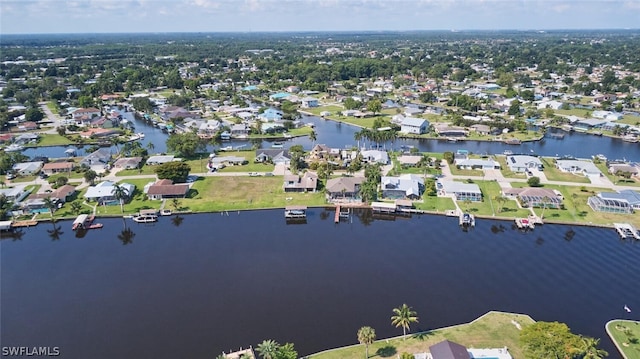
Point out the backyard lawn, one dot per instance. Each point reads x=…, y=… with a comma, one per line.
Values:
x=554, y=174
x=492, y=330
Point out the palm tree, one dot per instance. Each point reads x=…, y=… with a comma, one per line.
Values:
x=76, y=207
x=49, y=203
x=268, y=349
x=589, y=348
x=313, y=137
x=150, y=146
x=366, y=336
x=175, y=203
x=545, y=202
x=403, y=317
x=120, y=193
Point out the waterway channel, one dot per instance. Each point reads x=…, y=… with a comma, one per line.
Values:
x=214, y=282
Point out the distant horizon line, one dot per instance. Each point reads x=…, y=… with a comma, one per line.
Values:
x=320, y=31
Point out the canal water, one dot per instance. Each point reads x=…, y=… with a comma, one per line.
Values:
x=340, y=135
x=194, y=287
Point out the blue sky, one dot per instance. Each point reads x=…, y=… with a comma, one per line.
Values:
x=82, y=16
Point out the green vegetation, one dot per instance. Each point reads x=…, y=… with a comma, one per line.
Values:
x=492, y=330
x=555, y=340
x=626, y=335
x=50, y=139
x=554, y=174
x=403, y=316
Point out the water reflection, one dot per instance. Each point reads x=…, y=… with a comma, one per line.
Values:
x=56, y=232
x=177, y=220
x=126, y=235
x=569, y=234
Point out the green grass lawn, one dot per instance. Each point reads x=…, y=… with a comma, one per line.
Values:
x=333, y=109
x=50, y=139
x=626, y=334
x=138, y=202
x=238, y=193
x=504, y=168
x=493, y=330
x=576, y=209
x=554, y=174
x=463, y=172
x=437, y=204
x=602, y=166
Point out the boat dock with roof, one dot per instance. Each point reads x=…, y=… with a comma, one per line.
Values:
x=626, y=230
x=295, y=212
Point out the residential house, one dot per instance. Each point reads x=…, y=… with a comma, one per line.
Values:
x=375, y=156
x=160, y=159
x=217, y=161
x=272, y=127
x=481, y=129
x=449, y=350
x=615, y=168
x=409, y=160
x=308, y=182
x=239, y=130
x=476, y=163
x=36, y=201
x=405, y=186
x=344, y=189
x=459, y=190
x=273, y=155
x=166, y=189
x=577, y=167
x=128, y=163
x=98, y=158
x=309, y=102
x=450, y=131
x=103, y=192
x=86, y=113
x=412, y=111
x=414, y=125
x=320, y=151
x=535, y=197
x=27, y=126
x=522, y=163
x=270, y=114
x=589, y=124
x=57, y=167
x=27, y=168
x=625, y=202
x=16, y=193
x=104, y=122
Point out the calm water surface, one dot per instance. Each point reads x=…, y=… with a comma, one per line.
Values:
x=218, y=282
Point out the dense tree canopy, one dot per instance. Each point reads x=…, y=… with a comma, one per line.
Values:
x=175, y=171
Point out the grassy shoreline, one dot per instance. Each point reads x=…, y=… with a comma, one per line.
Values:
x=624, y=334
x=492, y=330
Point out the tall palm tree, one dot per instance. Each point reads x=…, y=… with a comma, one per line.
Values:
x=150, y=146
x=76, y=207
x=403, y=317
x=268, y=349
x=545, y=202
x=366, y=336
x=313, y=137
x=589, y=348
x=120, y=193
x=49, y=203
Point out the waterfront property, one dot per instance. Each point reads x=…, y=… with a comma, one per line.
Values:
x=344, y=189
x=375, y=156
x=413, y=125
x=625, y=201
x=308, y=182
x=522, y=163
x=408, y=186
x=585, y=168
x=450, y=350
x=27, y=168
x=160, y=159
x=459, y=190
x=98, y=159
x=165, y=189
x=535, y=197
x=103, y=192
x=275, y=156
x=476, y=163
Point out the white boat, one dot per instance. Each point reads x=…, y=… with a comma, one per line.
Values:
x=145, y=218
x=165, y=212
x=507, y=153
x=137, y=136
x=13, y=148
x=226, y=148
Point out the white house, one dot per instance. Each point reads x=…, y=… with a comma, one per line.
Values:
x=586, y=168
x=309, y=102
x=28, y=168
x=521, y=163
x=103, y=192
x=414, y=125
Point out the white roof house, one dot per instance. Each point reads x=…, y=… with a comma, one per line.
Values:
x=586, y=168
x=476, y=163
x=521, y=163
x=414, y=125
x=15, y=193
x=375, y=156
x=404, y=186
x=158, y=160
x=103, y=191
x=28, y=168
x=459, y=190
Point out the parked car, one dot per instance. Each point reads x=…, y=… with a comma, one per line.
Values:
x=254, y=174
x=268, y=174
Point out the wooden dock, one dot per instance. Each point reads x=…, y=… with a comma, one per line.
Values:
x=626, y=230
x=336, y=218
x=29, y=223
